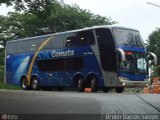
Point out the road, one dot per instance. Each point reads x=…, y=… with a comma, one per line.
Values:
x=54, y=102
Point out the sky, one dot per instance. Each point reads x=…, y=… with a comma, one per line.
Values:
x=135, y=14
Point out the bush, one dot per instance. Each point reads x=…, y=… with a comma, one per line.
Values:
x=7, y=86
x=1, y=75
x=155, y=72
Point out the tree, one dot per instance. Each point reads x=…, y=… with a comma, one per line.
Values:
x=61, y=18
x=153, y=44
x=41, y=17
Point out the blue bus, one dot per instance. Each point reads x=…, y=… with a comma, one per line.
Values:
x=99, y=57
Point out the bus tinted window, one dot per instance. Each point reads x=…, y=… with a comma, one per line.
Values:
x=73, y=63
x=11, y=48
x=21, y=46
x=57, y=42
x=32, y=45
x=128, y=37
x=41, y=41
x=80, y=38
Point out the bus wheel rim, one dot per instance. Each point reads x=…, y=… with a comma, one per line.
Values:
x=35, y=84
x=79, y=83
x=24, y=84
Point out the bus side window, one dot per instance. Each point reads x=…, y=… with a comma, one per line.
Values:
x=86, y=38
x=80, y=38
x=21, y=47
x=11, y=48
x=70, y=39
x=41, y=41
x=60, y=64
x=32, y=45
x=57, y=42
x=77, y=63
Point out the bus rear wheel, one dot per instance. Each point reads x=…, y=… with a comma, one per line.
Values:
x=80, y=84
x=24, y=83
x=93, y=84
x=35, y=83
x=119, y=89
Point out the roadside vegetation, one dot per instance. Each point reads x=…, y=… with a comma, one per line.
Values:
x=10, y=87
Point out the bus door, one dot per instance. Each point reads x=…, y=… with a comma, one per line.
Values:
x=108, y=56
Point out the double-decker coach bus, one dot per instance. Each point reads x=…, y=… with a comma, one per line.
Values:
x=100, y=57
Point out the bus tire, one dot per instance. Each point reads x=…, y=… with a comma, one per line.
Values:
x=60, y=88
x=80, y=84
x=119, y=89
x=93, y=83
x=35, y=83
x=105, y=89
x=24, y=83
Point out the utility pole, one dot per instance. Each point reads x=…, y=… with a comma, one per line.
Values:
x=153, y=4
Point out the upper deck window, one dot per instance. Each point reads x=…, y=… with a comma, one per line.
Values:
x=11, y=48
x=128, y=37
x=79, y=38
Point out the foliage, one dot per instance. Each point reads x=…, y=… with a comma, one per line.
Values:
x=7, y=86
x=154, y=43
x=1, y=57
x=155, y=72
x=39, y=17
x=38, y=7
x=1, y=74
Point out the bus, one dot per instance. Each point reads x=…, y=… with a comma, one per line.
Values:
x=99, y=57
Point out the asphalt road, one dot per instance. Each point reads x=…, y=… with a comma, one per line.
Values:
x=53, y=102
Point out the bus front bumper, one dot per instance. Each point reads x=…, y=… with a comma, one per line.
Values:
x=128, y=83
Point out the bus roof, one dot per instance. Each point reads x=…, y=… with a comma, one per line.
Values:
x=86, y=28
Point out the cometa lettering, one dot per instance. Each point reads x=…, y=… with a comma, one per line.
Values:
x=62, y=53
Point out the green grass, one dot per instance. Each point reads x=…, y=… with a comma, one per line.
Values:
x=10, y=87
x=1, y=75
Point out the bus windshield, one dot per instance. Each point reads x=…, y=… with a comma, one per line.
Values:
x=135, y=63
x=128, y=37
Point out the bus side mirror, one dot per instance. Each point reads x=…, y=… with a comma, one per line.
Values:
x=123, y=57
x=151, y=56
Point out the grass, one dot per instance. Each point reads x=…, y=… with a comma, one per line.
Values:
x=6, y=86
x=133, y=90
x=9, y=87
x=1, y=75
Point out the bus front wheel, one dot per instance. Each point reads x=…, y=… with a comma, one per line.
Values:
x=119, y=89
x=24, y=83
x=35, y=83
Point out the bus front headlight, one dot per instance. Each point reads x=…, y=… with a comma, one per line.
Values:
x=147, y=79
x=123, y=78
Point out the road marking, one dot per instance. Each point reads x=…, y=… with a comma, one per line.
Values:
x=148, y=103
